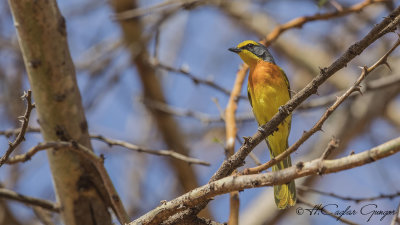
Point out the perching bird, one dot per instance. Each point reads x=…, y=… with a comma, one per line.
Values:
x=268, y=89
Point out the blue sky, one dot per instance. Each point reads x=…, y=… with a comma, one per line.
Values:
x=199, y=39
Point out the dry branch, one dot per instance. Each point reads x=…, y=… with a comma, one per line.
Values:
x=21, y=133
x=300, y=21
x=356, y=200
x=8, y=194
x=374, y=85
x=112, y=142
x=202, y=117
x=196, y=80
x=169, y=153
x=236, y=183
x=231, y=134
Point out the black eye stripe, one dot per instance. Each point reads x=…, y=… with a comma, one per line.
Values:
x=248, y=46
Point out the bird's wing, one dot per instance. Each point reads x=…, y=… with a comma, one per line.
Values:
x=249, y=97
x=286, y=81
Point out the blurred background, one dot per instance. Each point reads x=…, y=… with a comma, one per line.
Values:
x=187, y=45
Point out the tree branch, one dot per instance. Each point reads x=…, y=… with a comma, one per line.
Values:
x=21, y=134
x=110, y=142
x=231, y=133
x=236, y=183
x=300, y=21
x=184, y=71
x=169, y=153
x=374, y=85
x=8, y=194
x=356, y=200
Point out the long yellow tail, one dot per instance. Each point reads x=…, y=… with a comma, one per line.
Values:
x=285, y=194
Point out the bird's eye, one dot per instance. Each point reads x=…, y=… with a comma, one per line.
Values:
x=250, y=45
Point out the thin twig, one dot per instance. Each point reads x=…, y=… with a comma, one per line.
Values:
x=353, y=199
x=325, y=116
x=16, y=131
x=231, y=134
x=332, y=145
x=300, y=21
x=374, y=85
x=202, y=117
x=8, y=194
x=195, y=79
x=31, y=152
x=21, y=135
x=234, y=183
x=169, y=153
x=230, y=121
x=137, y=12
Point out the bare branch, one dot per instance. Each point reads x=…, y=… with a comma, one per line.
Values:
x=8, y=194
x=21, y=134
x=368, y=87
x=185, y=71
x=231, y=134
x=169, y=153
x=16, y=131
x=110, y=142
x=356, y=200
x=299, y=22
x=137, y=12
x=235, y=183
x=202, y=117
x=332, y=145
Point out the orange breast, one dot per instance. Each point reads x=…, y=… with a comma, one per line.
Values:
x=268, y=90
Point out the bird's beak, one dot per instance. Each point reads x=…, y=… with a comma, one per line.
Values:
x=235, y=50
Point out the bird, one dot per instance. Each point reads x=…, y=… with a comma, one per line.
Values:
x=268, y=89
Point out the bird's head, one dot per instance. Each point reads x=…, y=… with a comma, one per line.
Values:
x=251, y=52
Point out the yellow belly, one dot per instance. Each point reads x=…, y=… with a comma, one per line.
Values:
x=268, y=91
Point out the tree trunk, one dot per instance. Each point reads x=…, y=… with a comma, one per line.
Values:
x=43, y=41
